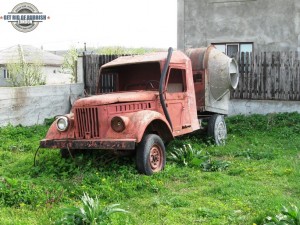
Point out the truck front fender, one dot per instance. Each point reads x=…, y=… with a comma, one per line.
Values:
x=141, y=122
x=53, y=133
x=150, y=121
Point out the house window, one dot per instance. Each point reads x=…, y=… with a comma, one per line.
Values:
x=5, y=73
x=231, y=49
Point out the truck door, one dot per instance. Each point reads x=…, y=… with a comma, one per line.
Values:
x=176, y=99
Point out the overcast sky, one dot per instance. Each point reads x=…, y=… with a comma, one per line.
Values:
x=127, y=23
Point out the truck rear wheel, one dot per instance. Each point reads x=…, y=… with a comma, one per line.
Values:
x=217, y=129
x=151, y=155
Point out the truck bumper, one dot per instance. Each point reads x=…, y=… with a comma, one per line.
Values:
x=119, y=144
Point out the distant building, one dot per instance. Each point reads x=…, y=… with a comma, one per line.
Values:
x=239, y=25
x=51, y=63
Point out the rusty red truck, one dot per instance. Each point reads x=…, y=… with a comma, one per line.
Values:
x=145, y=101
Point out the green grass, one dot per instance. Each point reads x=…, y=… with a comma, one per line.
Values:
x=263, y=175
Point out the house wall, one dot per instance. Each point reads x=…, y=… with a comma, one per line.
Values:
x=3, y=81
x=31, y=105
x=54, y=75
x=272, y=25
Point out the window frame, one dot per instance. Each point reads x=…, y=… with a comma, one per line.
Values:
x=234, y=43
x=183, y=73
x=5, y=73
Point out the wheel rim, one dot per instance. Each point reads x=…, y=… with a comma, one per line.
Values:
x=156, y=158
x=221, y=132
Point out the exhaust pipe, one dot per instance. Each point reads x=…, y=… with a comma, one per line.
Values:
x=162, y=86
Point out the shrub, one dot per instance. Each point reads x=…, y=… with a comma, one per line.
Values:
x=186, y=156
x=189, y=156
x=288, y=216
x=90, y=213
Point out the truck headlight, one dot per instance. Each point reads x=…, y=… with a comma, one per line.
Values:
x=119, y=123
x=62, y=123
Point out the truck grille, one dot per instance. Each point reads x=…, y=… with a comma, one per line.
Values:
x=87, y=123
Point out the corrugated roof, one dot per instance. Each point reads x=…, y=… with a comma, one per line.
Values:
x=31, y=55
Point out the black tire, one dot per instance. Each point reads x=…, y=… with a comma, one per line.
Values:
x=217, y=129
x=150, y=155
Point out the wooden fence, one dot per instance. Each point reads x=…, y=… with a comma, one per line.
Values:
x=268, y=76
x=263, y=76
x=91, y=66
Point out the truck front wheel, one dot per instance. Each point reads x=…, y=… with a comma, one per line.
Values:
x=151, y=155
x=217, y=129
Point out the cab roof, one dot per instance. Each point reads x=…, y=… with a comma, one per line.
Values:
x=178, y=57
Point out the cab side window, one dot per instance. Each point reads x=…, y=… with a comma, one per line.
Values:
x=176, y=82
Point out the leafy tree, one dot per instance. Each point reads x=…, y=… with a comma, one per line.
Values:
x=22, y=73
x=70, y=64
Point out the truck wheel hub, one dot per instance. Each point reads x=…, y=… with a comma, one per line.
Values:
x=221, y=131
x=155, y=158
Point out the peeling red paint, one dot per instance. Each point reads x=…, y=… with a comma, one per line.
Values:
x=126, y=144
x=132, y=84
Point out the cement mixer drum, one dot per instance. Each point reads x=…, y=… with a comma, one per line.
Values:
x=222, y=72
x=215, y=74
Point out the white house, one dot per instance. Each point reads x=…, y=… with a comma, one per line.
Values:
x=51, y=63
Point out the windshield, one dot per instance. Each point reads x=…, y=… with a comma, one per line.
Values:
x=131, y=77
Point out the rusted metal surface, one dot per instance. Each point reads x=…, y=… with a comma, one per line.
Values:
x=199, y=85
x=206, y=56
x=111, y=98
x=197, y=58
x=128, y=103
x=177, y=58
x=156, y=158
x=87, y=122
x=121, y=144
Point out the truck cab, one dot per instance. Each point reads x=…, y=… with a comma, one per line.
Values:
x=143, y=102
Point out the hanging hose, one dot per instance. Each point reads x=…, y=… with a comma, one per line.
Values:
x=162, y=85
x=34, y=160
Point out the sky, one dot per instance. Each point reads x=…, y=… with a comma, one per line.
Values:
x=98, y=23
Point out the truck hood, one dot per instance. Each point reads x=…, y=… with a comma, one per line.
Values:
x=120, y=97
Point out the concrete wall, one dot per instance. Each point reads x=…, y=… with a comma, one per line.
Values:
x=272, y=25
x=31, y=105
x=247, y=107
